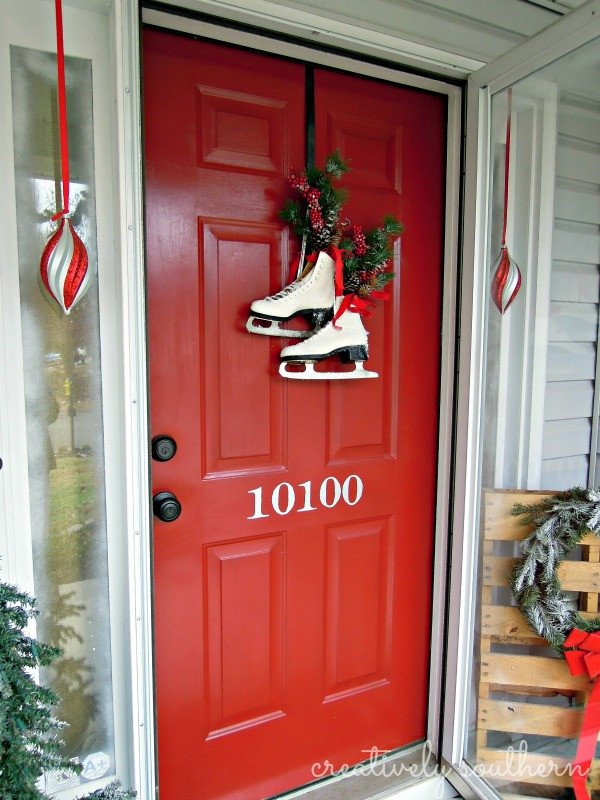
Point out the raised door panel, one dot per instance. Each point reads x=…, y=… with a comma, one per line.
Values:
x=244, y=602
x=358, y=606
x=240, y=130
x=245, y=260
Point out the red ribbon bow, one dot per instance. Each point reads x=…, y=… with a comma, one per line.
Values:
x=584, y=659
x=349, y=302
x=360, y=305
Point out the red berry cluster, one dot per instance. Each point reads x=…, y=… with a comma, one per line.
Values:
x=358, y=237
x=311, y=195
x=300, y=183
x=315, y=213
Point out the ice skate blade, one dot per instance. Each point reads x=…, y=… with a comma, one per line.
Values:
x=275, y=329
x=311, y=374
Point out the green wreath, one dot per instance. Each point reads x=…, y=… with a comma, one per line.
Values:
x=560, y=522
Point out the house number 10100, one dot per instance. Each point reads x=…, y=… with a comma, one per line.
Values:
x=331, y=491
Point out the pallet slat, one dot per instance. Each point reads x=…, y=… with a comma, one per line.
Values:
x=525, y=670
x=575, y=576
x=506, y=625
x=529, y=718
x=501, y=525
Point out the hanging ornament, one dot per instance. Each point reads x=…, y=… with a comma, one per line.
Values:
x=507, y=280
x=64, y=267
x=507, y=276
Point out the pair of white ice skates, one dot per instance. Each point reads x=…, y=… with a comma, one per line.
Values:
x=312, y=295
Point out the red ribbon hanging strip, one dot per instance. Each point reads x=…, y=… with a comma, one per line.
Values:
x=62, y=111
x=506, y=168
x=360, y=305
x=585, y=660
x=336, y=254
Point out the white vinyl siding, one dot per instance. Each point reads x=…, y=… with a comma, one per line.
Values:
x=471, y=32
x=481, y=30
x=574, y=298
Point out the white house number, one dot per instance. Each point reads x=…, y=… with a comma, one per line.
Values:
x=331, y=491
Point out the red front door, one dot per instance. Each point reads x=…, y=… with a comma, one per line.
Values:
x=293, y=594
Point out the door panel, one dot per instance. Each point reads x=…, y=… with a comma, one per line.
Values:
x=292, y=599
x=246, y=258
x=358, y=605
x=244, y=644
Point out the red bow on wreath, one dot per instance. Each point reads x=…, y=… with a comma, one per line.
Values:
x=584, y=659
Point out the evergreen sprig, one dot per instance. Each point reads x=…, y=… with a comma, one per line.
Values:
x=559, y=524
x=335, y=165
x=329, y=199
x=30, y=742
x=366, y=269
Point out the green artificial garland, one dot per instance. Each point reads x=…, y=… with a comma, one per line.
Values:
x=367, y=257
x=560, y=522
x=315, y=216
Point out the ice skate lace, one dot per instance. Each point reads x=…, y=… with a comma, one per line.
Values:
x=284, y=292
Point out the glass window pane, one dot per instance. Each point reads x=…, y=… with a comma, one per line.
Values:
x=540, y=409
x=64, y=412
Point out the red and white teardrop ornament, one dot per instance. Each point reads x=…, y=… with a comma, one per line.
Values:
x=507, y=276
x=64, y=266
x=506, y=281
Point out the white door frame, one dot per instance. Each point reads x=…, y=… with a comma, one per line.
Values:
x=31, y=24
x=130, y=158
x=578, y=28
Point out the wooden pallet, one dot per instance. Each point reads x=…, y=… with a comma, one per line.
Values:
x=513, y=684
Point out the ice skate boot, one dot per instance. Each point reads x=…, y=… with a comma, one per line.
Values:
x=311, y=295
x=345, y=337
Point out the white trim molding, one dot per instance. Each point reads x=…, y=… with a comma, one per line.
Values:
x=30, y=24
x=331, y=31
x=564, y=36
x=576, y=29
x=134, y=269
x=125, y=21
